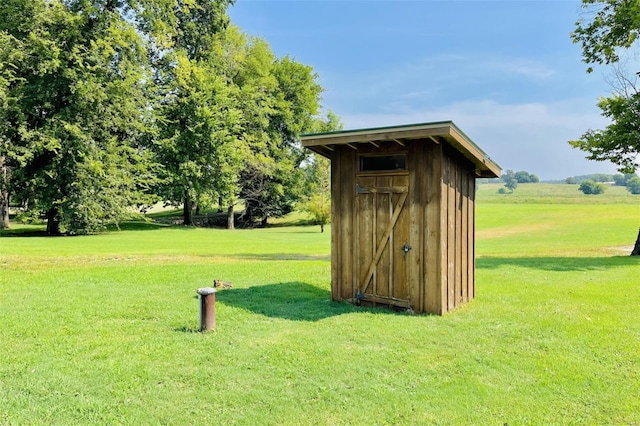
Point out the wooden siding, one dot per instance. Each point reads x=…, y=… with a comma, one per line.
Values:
x=437, y=220
x=458, y=209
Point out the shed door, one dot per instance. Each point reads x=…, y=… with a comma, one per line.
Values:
x=382, y=249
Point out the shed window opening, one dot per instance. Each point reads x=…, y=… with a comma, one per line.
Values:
x=383, y=163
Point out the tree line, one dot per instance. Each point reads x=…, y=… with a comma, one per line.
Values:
x=106, y=105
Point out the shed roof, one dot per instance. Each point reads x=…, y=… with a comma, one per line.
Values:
x=437, y=132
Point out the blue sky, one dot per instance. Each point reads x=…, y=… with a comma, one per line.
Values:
x=506, y=72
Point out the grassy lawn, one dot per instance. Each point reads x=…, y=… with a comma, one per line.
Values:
x=102, y=329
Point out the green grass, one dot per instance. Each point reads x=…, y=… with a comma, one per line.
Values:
x=101, y=329
x=546, y=193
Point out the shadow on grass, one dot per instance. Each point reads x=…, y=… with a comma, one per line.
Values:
x=559, y=264
x=137, y=226
x=295, y=301
x=24, y=232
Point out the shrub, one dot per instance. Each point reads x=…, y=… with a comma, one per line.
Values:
x=590, y=187
x=633, y=185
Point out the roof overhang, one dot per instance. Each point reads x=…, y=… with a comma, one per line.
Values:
x=438, y=132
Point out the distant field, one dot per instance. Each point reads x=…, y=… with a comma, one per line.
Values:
x=547, y=193
x=102, y=329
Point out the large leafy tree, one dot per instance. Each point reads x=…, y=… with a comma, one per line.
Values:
x=9, y=60
x=197, y=119
x=77, y=111
x=610, y=28
x=277, y=185
x=317, y=195
x=278, y=99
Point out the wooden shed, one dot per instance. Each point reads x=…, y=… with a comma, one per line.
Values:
x=403, y=214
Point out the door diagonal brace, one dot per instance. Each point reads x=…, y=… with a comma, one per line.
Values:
x=384, y=240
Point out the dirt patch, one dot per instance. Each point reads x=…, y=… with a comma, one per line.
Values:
x=512, y=230
x=620, y=250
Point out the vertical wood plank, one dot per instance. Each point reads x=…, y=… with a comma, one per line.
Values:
x=433, y=280
x=472, y=239
x=445, y=233
x=465, y=236
x=400, y=261
x=384, y=208
x=346, y=203
x=460, y=176
x=415, y=277
x=451, y=234
x=336, y=227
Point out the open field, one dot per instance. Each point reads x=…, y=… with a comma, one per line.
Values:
x=101, y=329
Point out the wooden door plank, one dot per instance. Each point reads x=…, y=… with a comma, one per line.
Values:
x=401, y=261
x=383, y=241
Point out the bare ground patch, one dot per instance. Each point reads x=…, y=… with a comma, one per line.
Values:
x=512, y=230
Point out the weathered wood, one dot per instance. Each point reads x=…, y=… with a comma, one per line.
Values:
x=434, y=232
x=336, y=228
x=416, y=225
x=365, y=218
x=385, y=300
x=460, y=176
x=464, y=231
x=471, y=233
x=344, y=182
x=451, y=234
x=378, y=215
x=383, y=242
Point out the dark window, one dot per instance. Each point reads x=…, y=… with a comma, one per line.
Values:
x=383, y=163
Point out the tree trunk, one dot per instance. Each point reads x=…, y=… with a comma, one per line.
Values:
x=187, y=217
x=322, y=228
x=636, y=248
x=230, y=218
x=263, y=224
x=53, y=222
x=219, y=204
x=4, y=195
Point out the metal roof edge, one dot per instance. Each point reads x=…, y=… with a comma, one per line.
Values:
x=463, y=142
x=378, y=129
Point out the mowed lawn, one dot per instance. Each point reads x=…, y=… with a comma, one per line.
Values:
x=102, y=329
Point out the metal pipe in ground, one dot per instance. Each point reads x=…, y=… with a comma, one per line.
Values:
x=207, y=308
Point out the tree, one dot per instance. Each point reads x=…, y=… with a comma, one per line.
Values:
x=612, y=27
x=591, y=187
x=196, y=143
x=297, y=101
x=623, y=179
x=633, y=185
x=78, y=111
x=9, y=60
x=526, y=177
x=278, y=99
x=510, y=180
x=317, y=200
x=198, y=121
